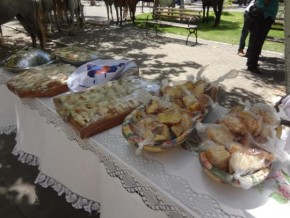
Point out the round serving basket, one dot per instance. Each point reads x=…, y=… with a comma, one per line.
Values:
x=224, y=177
x=133, y=138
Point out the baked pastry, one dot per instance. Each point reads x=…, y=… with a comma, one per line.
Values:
x=153, y=107
x=253, y=122
x=218, y=156
x=219, y=134
x=43, y=81
x=169, y=117
x=234, y=124
x=156, y=133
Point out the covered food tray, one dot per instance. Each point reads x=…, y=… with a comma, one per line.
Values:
x=26, y=59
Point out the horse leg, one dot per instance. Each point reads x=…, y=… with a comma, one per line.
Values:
x=121, y=17
x=218, y=12
x=111, y=13
x=203, y=13
x=1, y=36
x=107, y=7
x=132, y=12
x=117, y=13
x=207, y=12
x=28, y=28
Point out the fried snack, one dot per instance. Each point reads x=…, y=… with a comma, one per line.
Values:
x=199, y=87
x=186, y=121
x=153, y=107
x=157, y=133
x=219, y=134
x=172, y=92
x=169, y=117
x=189, y=99
x=177, y=130
x=218, y=156
x=234, y=124
x=254, y=123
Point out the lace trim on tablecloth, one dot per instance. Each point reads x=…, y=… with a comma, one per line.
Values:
x=45, y=181
x=148, y=195
x=8, y=129
x=54, y=119
x=201, y=204
x=26, y=158
x=77, y=201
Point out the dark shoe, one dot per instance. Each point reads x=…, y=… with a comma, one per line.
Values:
x=242, y=53
x=254, y=70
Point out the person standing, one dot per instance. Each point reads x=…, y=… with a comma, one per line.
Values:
x=259, y=31
x=245, y=30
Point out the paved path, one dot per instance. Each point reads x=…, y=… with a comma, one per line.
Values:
x=162, y=57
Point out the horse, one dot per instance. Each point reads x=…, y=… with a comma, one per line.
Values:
x=120, y=4
x=28, y=13
x=47, y=7
x=74, y=7
x=217, y=8
x=109, y=4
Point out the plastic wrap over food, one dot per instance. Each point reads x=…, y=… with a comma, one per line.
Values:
x=242, y=142
x=97, y=72
x=103, y=101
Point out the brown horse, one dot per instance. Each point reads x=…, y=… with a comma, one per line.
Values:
x=28, y=13
x=217, y=6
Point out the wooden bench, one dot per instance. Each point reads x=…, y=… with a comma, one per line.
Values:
x=175, y=17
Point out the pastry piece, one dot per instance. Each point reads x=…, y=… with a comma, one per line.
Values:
x=177, y=130
x=235, y=146
x=219, y=134
x=169, y=117
x=218, y=156
x=253, y=122
x=156, y=133
x=172, y=92
x=268, y=113
x=234, y=124
x=153, y=107
x=199, y=87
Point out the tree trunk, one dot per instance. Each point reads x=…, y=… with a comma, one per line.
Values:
x=287, y=44
x=93, y=2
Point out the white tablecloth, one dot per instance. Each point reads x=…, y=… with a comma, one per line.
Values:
x=103, y=171
x=7, y=111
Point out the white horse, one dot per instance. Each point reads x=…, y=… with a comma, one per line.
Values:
x=75, y=8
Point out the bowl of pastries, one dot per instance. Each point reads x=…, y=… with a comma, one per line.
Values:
x=76, y=55
x=167, y=119
x=239, y=148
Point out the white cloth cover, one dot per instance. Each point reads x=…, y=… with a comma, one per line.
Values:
x=97, y=72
